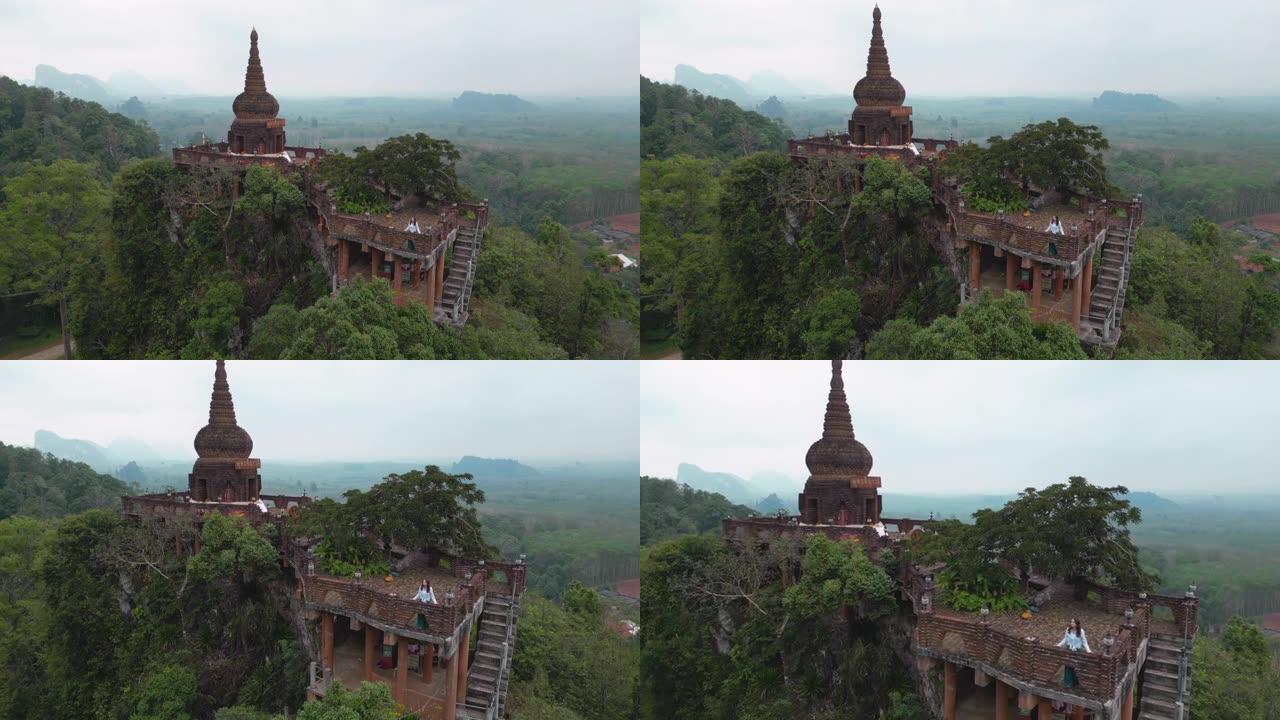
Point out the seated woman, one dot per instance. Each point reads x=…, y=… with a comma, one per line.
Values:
x=1075, y=640
x=412, y=226
x=425, y=593
x=1055, y=227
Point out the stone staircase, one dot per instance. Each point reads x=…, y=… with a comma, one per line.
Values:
x=1164, y=672
x=490, y=672
x=460, y=277
x=1109, y=289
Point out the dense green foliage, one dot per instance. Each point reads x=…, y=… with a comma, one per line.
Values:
x=677, y=121
x=555, y=279
x=1235, y=676
x=989, y=329
x=569, y=664
x=724, y=638
x=407, y=165
x=41, y=486
x=1049, y=155
x=772, y=259
x=185, y=269
x=1189, y=300
x=129, y=630
x=40, y=126
x=167, y=265
x=1074, y=530
x=668, y=509
x=426, y=509
x=52, y=221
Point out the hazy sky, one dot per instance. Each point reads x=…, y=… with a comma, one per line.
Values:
x=531, y=411
x=972, y=47
x=973, y=427
x=383, y=47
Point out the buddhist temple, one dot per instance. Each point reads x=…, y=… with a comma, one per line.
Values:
x=256, y=129
x=1001, y=665
x=879, y=117
x=433, y=266
x=1076, y=274
x=444, y=658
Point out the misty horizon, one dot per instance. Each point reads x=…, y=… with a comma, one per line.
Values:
x=942, y=49
x=382, y=48
x=396, y=411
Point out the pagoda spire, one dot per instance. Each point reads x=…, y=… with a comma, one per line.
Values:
x=222, y=411
x=877, y=56
x=254, y=79
x=837, y=423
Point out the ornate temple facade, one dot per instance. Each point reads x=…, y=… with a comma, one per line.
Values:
x=1003, y=662
x=443, y=660
x=1078, y=276
x=435, y=267
x=224, y=479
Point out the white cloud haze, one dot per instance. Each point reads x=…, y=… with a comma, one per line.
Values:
x=977, y=427
x=972, y=47
x=325, y=411
x=375, y=47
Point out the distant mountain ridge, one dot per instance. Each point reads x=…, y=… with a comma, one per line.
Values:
x=746, y=93
x=472, y=101
x=729, y=485
x=118, y=88
x=494, y=468
x=109, y=459
x=1132, y=102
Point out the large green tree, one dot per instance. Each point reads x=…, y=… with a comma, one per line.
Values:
x=53, y=220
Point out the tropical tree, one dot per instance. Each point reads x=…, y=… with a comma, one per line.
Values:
x=53, y=219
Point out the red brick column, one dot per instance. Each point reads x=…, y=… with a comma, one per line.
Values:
x=1077, y=712
x=1037, y=288
x=1010, y=269
x=1045, y=709
x=428, y=659
x=344, y=259
x=949, y=690
x=397, y=273
x=402, y=670
x=1126, y=710
x=1088, y=282
x=369, y=657
x=1058, y=274
x=464, y=663
x=1002, y=700
x=975, y=266
x=451, y=688
x=1077, y=286
x=431, y=288
x=440, y=279
x=375, y=263
x=326, y=640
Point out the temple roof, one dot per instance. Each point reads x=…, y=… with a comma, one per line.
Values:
x=255, y=103
x=878, y=88
x=837, y=456
x=222, y=437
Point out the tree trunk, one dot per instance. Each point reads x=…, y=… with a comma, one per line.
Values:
x=62, y=319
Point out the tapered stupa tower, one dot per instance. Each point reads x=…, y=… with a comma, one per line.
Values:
x=840, y=489
x=879, y=118
x=223, y=471
x=256, y=129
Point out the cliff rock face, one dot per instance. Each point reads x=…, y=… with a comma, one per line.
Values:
x=899, y=629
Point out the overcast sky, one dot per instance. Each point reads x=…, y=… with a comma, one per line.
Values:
x=324, y=47
x=977, y=47
x=977, y=427
x=367, y=411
